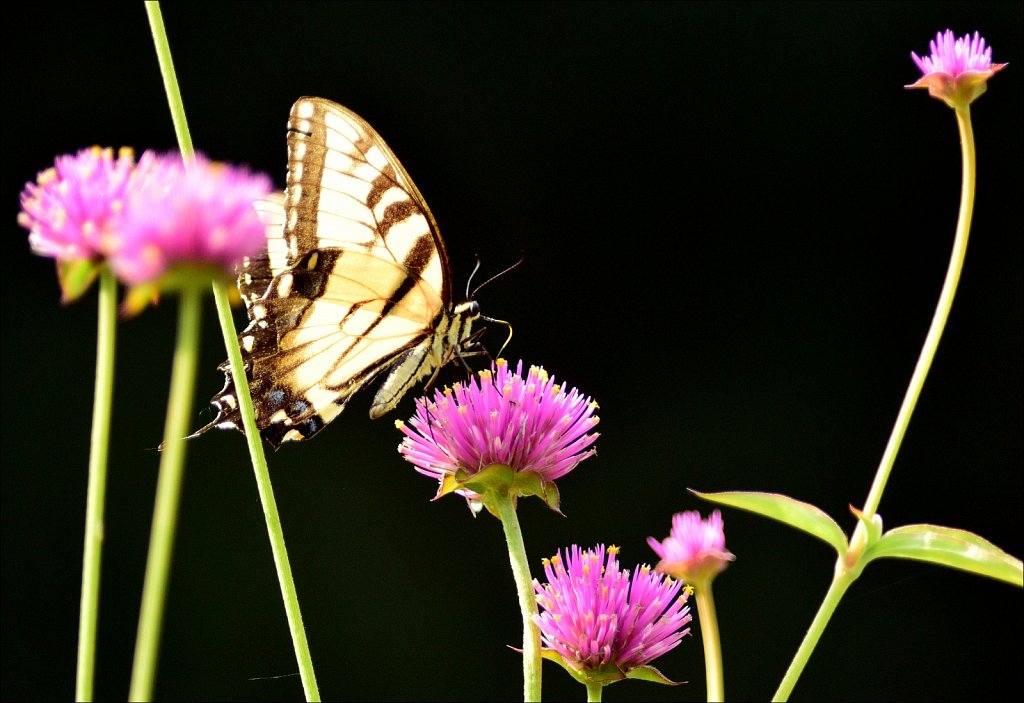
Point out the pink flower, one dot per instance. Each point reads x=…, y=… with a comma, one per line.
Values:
x=957, y=70
x=695, y=550
x=530, y=424
x=73, y=209
x=199, y=214
x=600, y=620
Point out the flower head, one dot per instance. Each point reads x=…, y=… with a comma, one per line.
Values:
x=601, y=621
x=73, y=209
x=695, y=549
x=957, y=70
x=199, y=214
x=531, y=425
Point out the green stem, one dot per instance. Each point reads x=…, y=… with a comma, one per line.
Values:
x=168, y=492
x=227, y=325
x=266, y=491
x=931, y=342
x=594, y=691
x=103, y=392
x=849, y=567
x=527, y=603
x=163, y=54
x=840, y=582
x=711, y=639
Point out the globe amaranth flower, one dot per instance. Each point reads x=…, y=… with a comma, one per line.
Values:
x=73, y=211
x=198, y=214
x=530, y=427
x=957, y=70
x=73, y=208
x=694, y=551
x=600, y=622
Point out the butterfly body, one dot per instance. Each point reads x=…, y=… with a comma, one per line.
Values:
x=354, y=283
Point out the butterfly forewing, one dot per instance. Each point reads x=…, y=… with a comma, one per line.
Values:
x=347, y=189
x=354, y=281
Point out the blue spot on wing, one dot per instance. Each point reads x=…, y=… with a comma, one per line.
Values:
x=298, y=407
x=275, y=398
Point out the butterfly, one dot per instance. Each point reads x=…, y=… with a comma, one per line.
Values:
x=355, y=281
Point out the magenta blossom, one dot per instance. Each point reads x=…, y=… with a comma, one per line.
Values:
x=531, y=425
x=198, y=214
x=695, y=549
x=957, y=70
x=603, y=623
x=73, y=209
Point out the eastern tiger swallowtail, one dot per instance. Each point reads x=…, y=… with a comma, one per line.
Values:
x=355, y=281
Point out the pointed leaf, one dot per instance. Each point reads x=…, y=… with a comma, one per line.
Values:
x=553, y=497
x=795, y=513
x=138, y=297
x=649, y=673
x=528, y=483
x=554, y=656
x=872, y=524
x=947, y=546
x=75, y=277
x=448, y=484
x=496, y=477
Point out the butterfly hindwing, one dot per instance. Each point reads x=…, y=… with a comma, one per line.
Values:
x=355, y=281
x=256, y=272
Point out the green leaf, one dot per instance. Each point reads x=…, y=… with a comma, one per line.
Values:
x=872, y=524
x=449, y=484
x=496, y=477
x=947, y=546
x=609, y=673
x=529, y=483
x=802, y=516
x=554, y=656
x=649, y=673
x=75, y=278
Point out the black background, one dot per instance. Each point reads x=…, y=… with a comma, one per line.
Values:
x=737, y=223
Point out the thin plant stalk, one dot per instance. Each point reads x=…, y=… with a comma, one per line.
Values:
x=266, y=491
x=594, y=692
x=527, y=602
x=836, y=589
x=848, y=568
x=168, y=493
x=170, y=78
x=252, y=434
x=102, y=402
x=711, y=640
x=945, y=304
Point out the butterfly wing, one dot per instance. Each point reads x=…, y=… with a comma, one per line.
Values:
x=256, y=272
x=355, y=281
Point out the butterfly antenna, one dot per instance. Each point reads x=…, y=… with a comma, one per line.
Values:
x=469, y=281
x=513, y=267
